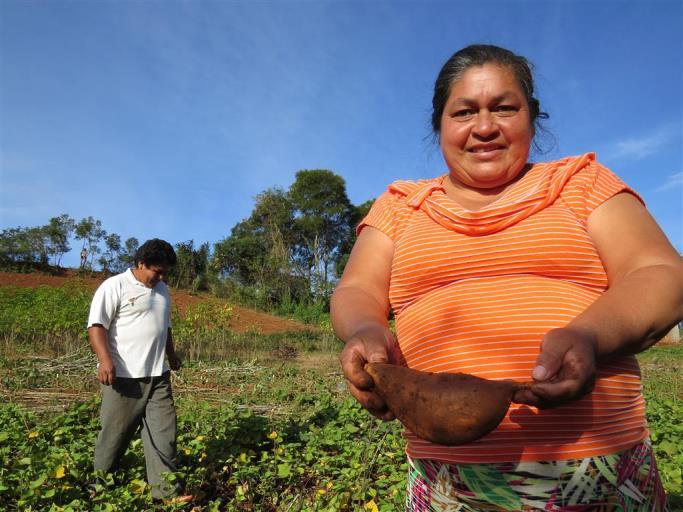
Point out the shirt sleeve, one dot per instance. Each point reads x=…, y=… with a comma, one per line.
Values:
x=591, y=187
x=383, y=215
x=104, y=305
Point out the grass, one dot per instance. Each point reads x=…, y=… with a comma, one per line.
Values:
x=661, y=371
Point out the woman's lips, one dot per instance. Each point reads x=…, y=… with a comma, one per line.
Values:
x=486, y=152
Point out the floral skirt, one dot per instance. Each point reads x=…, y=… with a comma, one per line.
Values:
x=625, y=481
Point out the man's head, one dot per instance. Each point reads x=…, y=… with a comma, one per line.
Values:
x=153, y=260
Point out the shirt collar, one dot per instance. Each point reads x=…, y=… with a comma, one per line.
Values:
x=131, y=278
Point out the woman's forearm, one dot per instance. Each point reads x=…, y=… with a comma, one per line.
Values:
x=636, y=312
x=353, y=309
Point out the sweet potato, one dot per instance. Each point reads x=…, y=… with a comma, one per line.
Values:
x=443, y=408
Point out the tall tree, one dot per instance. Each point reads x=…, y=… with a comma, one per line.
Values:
x=245, y=252
x=126, y=257
x=110, y=257
x=259, y=250
x=323, y=215
x=58, y=232
x=90, y=231
x=192, y=266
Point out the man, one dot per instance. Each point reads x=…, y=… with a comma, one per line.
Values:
x=129, y=331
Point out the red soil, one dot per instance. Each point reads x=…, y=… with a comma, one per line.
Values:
x=243, y=319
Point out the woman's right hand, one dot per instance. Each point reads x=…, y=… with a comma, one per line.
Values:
x=370, y=344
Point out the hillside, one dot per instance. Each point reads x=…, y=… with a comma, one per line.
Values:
x=243, y=319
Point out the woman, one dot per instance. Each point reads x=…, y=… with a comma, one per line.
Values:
x=508, y=270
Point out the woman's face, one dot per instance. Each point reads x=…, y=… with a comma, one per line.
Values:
x=486, y=131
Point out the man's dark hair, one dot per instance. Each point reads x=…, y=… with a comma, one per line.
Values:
x=478, y=55
x=155, y=252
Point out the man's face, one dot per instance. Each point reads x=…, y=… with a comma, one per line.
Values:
x=150, y=275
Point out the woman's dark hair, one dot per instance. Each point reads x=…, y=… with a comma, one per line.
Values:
x=155, y=252
x=478, y=55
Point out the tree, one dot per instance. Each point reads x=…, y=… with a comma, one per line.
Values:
x=24, y=247
x=126, y=257
x=31, y=247
x=90, y=231
x=110, y=258
x=245, y=253
x=323, y=215
x=289, y=247
x=191, y=269
x=10, y=246
x=259, y=251
x=58, y=232
x=240, y=254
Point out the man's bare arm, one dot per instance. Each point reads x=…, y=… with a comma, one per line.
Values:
x=106, y=372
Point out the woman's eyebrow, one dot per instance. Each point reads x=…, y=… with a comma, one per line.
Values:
x=505, y=95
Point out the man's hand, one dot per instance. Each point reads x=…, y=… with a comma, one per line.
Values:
x=106, y=373
x=174, y=361
x=564, y=370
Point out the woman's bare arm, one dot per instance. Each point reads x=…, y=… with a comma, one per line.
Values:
x=644, y=300
x=645, y=296
x=359, y=312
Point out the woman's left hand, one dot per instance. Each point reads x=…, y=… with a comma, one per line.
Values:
x=564, y=370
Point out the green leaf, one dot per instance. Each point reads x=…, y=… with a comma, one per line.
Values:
x=138, y=486
x=668, y=447
x=37, y=482
x=284, y=470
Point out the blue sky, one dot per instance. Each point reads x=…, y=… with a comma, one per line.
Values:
x=165, y=119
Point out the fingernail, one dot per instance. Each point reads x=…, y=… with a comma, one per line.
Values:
x=539, y=373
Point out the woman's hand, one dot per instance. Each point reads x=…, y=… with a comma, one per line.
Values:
x=564, y=370
x=371, y=344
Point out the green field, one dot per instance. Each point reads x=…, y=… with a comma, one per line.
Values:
x=265, y=422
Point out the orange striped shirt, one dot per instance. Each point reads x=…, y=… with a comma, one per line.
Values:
x=475, y=292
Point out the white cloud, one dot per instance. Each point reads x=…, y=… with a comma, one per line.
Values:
x=636, y=148
x=672, y=181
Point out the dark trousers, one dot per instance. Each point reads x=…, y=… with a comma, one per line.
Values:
x=132, y=403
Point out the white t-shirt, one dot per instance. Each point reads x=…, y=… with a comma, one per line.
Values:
x=137, y=319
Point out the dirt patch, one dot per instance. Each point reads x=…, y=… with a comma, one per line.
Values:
x=243, y=319
x=35, y=279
